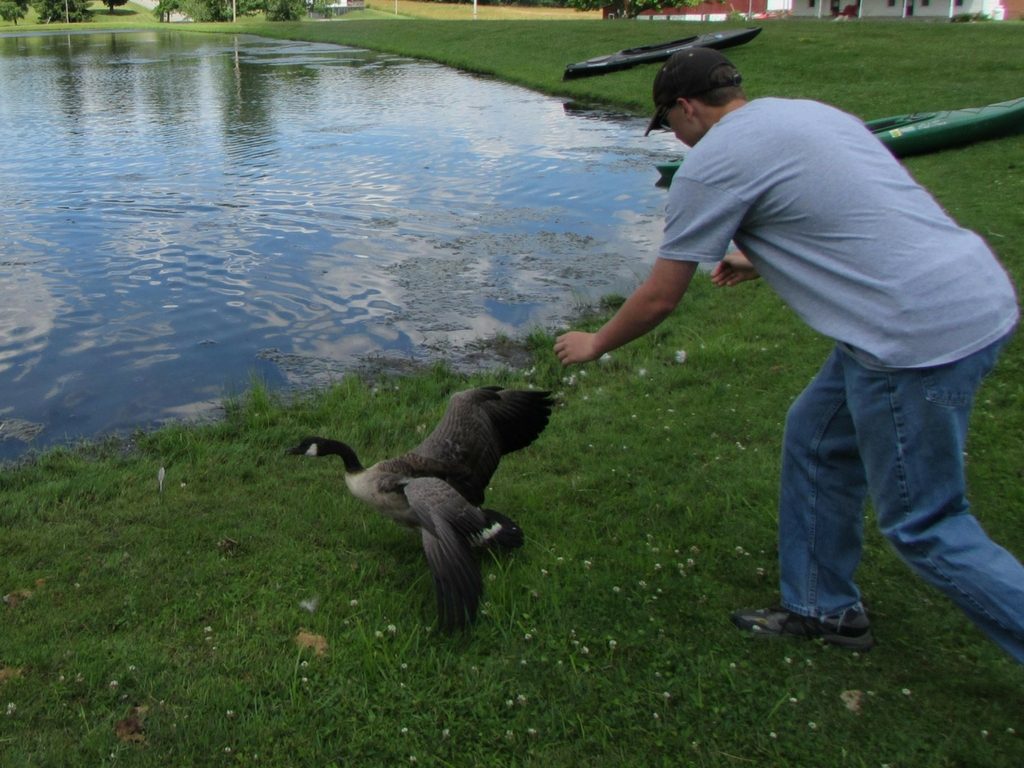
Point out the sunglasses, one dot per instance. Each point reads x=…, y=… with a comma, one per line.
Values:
x=661, y=115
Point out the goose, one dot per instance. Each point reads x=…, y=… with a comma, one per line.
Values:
x=438, y=487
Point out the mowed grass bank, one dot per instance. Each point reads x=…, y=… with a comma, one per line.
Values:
x=869, y=68
x=174, y=629
x=414, y=9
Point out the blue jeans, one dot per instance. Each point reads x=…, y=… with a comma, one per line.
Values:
x=897, y=436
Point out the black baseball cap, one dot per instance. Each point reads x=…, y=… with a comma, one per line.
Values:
x=690, y=72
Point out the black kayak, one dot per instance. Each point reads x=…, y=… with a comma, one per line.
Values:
x=659, y=52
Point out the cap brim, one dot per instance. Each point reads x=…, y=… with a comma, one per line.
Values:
x=656, y=121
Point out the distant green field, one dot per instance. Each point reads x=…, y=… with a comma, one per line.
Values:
x=869, y=68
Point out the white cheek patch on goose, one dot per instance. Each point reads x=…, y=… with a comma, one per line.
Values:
x=311, y=451
x=482, y=538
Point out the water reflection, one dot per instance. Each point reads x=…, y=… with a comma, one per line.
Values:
x=179, y=211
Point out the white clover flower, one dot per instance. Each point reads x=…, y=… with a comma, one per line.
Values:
x=680, y=356
x=604, y=359
x=113, y=685
x=11, y=708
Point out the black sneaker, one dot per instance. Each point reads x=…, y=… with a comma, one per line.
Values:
x=850, y=630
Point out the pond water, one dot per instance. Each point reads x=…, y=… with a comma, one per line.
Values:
x=181, y=212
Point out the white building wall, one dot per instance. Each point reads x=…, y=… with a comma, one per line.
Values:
x=880, y=9
x=805, y=9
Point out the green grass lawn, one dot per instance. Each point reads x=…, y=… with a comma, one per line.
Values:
x=870, y=68
x=151, y=629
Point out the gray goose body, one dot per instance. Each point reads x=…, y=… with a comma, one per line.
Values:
x=438, y=487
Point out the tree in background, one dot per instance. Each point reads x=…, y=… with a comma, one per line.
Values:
x=62, y=10
x=216, y=10
x=165, y=8
x=12, y=10
x=112, y=3
x=285, y=10
x=206, y=10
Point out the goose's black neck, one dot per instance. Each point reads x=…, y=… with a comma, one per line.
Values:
x=337, y=448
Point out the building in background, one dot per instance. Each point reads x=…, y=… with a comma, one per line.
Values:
x=997, y=10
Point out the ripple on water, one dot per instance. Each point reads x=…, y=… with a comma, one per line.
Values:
x=202, y=199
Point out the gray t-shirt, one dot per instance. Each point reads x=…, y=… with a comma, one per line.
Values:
x=841, y=232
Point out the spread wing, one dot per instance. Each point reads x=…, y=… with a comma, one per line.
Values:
x=445, y=518
x=479, y=427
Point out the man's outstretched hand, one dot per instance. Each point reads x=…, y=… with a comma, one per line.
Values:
x=733, y=269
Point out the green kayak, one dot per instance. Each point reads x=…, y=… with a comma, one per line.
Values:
x=922, y=132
